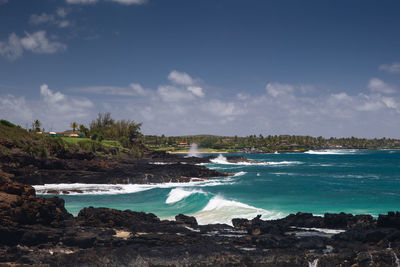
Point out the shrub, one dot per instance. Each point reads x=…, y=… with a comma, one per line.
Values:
x=7, y=123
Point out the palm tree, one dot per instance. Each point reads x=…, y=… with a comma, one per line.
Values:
x=36, y=125
x=73, y=125
x=83, y=130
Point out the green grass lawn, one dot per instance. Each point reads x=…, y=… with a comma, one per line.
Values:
x=75, y=140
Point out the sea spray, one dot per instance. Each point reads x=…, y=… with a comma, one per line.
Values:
x=221, y=210
x=314, y=263
x=193, y=151
x=220, y=160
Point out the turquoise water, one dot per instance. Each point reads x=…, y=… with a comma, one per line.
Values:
x=353, y=181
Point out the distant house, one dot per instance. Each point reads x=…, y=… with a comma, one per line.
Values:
x=183, y=144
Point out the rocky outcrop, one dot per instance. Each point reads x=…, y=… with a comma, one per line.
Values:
x=105, y=170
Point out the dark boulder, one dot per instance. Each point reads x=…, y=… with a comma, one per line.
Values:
x=104, y=217
x=391, y=220
x=337, y=221
x=188, y=220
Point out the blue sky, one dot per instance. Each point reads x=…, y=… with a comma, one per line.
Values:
x=329, y=68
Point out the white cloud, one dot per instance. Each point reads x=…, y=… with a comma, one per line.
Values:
x=81, y=1
x=58, y=18
x=174, y=110
x=173, y=94
x=134, y=89
x=180, y=78
x=123, y=2
x=54, y=109
x=62, y=12
x=130, y=2
x=49, y=96
x=277, y=89
x=196, y=90
x=379, y=86
x=220, y=108
x=11, y=49
x=15, y=109
x=138, y=89
x=58, y=102
x=392, y=68
x=341, y=96
x=36, y=42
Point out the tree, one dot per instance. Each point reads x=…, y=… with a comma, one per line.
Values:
x=36, y=126
x=73, y=125
x=83, y=130
x=125, y=131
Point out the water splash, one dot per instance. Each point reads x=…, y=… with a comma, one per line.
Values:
x=193, y=151
x=314, y=263
x=397, y=261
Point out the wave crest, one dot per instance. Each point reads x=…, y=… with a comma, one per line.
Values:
x=222, y=160
x=332, y=152
x=114, y=189
x=177, y=194
x=220, y=210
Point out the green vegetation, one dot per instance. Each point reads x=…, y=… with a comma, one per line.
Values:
x=7, y=123
x=126, y=132
x=73, y=125
x=16, y=140
x=36, y=125
x=268, y=144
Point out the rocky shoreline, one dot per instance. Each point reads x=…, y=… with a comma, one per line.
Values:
x=40, y=232
x=156, y=167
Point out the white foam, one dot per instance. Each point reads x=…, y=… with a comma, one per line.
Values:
x=161, y=163
x=114, y=189
x=323, y=230
x=222, y=160
x=193, y=151
x=177, y=194
x=332, y=152
x=220, y=210
x=240, y=173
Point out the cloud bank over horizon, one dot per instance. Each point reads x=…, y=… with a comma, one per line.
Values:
x=175, y=108
x=193, y=67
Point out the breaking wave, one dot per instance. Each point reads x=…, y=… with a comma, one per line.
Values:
x=221, y=210
x=177, y=194
x=332, y=152
x=222, y=160
x=113, y=189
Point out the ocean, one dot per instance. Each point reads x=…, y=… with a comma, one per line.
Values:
x=351, y=181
